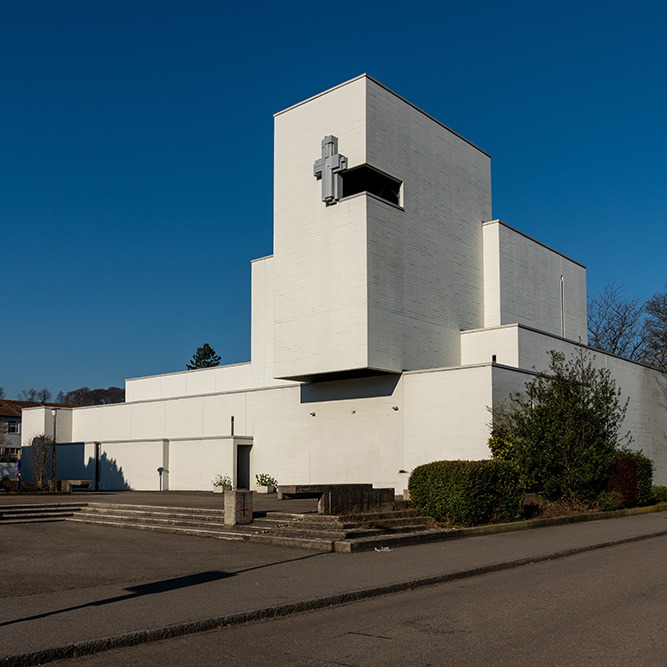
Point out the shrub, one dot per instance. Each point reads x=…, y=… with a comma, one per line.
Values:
x=562, y=432
x=225, y=481
x=29, y=487
x=659, y=494
x=9, y=485
x=467, y=493
x=264, y=479
x=623, y=481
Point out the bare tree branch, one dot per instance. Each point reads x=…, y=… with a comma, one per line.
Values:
x=616, y=323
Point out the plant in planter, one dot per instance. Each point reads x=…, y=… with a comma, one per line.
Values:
x=266, y=483
x=222, y=483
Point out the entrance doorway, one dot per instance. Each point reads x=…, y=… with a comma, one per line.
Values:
x=243, y=466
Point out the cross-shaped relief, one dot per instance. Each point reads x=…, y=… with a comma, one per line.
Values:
x=328, y=168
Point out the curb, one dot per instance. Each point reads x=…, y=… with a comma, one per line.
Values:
x=92, y=646
x=427, y=536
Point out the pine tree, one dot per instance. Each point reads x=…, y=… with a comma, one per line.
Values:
x=204, y=357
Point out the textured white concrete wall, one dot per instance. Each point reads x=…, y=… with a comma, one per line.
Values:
x=523, y=284
x=319, y=251
x=131, y=465
x=189, y=383
x=481, y=345
x=353, y=436
x=446, y=416
x=194, y=463
x=196, y=416
x=491, y=264
x=425, y=279
x=261, y=340
x=35, y=421
x=364, y=284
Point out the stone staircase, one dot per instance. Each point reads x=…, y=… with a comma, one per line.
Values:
x=309, y=531
x=38, y=513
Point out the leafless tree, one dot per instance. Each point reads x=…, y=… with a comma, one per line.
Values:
x=43, y=395
x=4, y=443
x=86, y=396
x=616, y=323
x=28, y=395
x=39, y=458
x=655, y=330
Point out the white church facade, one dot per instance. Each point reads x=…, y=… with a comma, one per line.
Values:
x=393, y=313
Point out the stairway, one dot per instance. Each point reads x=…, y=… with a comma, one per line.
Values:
x=38, y=513
x=309, y=531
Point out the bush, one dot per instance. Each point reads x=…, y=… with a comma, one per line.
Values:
x=467, y=493
x=9, y=485
x=631, y=477
x=30, y=487
x=623, y=481
x=659, y=494
x=562, y=433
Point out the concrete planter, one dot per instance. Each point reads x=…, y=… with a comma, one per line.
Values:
x=266, y=489
x=221, y=489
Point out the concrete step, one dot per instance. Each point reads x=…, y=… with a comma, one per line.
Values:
x=291, y=531
x=310, y=531
x=155, y=509
x=234, y=533
x=195, y=522
x=358, y=518
x=145, y=514
x=38, y=513
x=393, y=540
x=387, y=524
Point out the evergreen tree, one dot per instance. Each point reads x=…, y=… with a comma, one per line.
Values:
x=204, y=357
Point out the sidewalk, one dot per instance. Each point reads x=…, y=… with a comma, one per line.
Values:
x=97, y=587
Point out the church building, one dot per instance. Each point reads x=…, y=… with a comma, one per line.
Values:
x=394, y=312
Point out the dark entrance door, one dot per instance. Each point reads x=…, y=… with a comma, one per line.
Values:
x=243, y=466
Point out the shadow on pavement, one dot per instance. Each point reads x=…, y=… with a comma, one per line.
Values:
x=157, y=587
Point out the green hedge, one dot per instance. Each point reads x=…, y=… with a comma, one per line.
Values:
x=467, y=493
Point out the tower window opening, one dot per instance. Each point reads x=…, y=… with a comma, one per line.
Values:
x=367, y=179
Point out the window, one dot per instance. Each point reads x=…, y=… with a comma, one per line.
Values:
x=367, y=179
x=13, y=427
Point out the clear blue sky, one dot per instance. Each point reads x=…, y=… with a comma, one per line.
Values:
x=136, y=153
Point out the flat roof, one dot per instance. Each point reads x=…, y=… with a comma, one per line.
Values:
x=389, y=90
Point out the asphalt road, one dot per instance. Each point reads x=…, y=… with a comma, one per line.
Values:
x=604, y=607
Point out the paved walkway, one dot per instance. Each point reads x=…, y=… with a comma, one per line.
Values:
x=74, y=587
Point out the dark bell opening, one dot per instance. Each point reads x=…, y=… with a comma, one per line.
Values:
x=367, y=179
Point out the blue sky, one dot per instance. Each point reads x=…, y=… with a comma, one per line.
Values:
x=136, y=155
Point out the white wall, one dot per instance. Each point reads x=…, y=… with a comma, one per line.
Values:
x=131, y=465
x=261, y=342
x=189, y=383
x=446, y=415
x=319, y=251
x=193, y=416
x=522, y=284
x=194, y=463
x=425, y=279
x=364, y=284
x=482, y=345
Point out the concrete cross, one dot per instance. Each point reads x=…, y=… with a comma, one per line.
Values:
x=328, y=168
